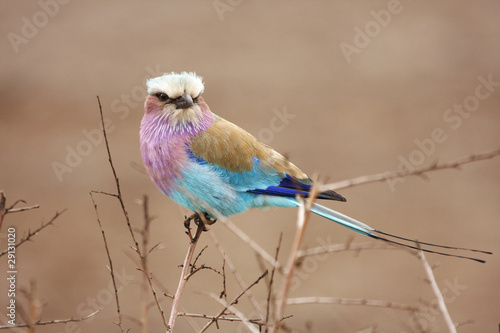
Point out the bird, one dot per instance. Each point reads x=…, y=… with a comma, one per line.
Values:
x=209, y=165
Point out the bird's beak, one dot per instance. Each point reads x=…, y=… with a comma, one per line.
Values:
x=183, y=102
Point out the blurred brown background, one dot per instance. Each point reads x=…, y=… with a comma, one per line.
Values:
x=353, y=115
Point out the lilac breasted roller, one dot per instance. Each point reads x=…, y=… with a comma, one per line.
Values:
x=209, y=165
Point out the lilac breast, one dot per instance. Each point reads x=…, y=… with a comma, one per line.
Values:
x=164, y=148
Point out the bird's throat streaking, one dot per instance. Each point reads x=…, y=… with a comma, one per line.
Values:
x=365, y=229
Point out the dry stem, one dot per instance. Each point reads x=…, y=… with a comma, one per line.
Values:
x=120, y=318
x=221, y=318
x=230, y=306
x=383, y=176
x=439, y=296
x=351, y=301
x=136, y=247
x=50, y=322
x=302, y=220
x=237, y=275
x=332, y=248
x=7, y=210
x=36, y=231
x=270, y=298
x=182, y=282
x=144, y=264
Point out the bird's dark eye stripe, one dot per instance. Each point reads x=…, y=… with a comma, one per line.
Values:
x=162, y=97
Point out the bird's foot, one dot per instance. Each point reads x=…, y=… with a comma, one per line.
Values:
x=198, y=218
x=187, y=221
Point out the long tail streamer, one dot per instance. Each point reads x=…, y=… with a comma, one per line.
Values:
x=365, y=229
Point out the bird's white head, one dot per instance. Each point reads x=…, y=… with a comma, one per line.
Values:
x=176, y=98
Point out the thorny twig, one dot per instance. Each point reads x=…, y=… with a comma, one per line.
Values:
x=270, y=299
x=228, y=305
x=36, y=231
x=193, y=265
x=235, y=311
x=7, y=210
x=118, y=195
x=224, y=289
x=146, y=278
x=144, y=285
x=111, y=270
x=50, y=322
x=196, y=270
x=221, y=318
x=237, y=275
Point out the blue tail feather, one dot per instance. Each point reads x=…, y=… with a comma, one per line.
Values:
x=366, y=230
x=342, y=219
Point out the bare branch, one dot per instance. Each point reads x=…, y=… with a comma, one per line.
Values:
x=238, y=313
x=147, y=278
x=237, y=275
x=224, y=287
x=230, y=306
x=7, y=210
x=270, y=300
x=51, y=322
x=302, y=221
x=193, y=265
x=221, y=318
x=120, y=318
x=136, y=247
x=351, y=301
x=144, y=264
x=35, y=232
x=117, y=182
x=185, y=272
x=22, y=209
x=197, y=269
x=380, y=177
x=439, y=296
x=332, y=248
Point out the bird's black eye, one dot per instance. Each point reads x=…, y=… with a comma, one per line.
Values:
x=196, y=99
x=162, y=97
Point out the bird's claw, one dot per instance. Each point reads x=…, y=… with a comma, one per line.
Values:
x=197, y=218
